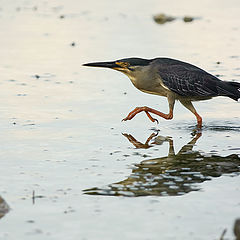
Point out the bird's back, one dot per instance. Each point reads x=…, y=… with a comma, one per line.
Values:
x=188, y=80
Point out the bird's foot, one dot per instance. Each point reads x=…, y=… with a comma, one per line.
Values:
x=151, y=118
x=199, y=126
x=199, y=120
x=133, y=113
x=196, y=131
x=137, y=110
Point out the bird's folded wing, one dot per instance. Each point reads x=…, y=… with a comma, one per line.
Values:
x=188, y=81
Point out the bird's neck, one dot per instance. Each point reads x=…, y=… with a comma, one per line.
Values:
x=133, y=80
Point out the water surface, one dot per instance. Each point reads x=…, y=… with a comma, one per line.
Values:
x=70, y=169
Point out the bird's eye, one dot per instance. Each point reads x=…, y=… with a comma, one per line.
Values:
x=123, y=64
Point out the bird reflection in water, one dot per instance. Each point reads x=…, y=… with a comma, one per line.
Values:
x=173, y=175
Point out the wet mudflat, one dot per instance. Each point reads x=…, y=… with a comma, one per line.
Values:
x=70, y=169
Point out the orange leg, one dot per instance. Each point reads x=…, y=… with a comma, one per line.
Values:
x=188, y=104
x=199, y=120
x=137, y=110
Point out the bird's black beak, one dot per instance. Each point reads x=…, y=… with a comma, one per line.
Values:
x=112, y=65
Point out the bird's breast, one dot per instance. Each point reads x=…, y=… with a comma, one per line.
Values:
x=151, y=86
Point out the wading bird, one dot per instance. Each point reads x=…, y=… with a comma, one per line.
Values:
x=173, y=79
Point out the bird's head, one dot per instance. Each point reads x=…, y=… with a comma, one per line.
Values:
x=128, y=66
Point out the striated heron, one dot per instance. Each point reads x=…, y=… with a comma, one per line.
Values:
x=173, y=79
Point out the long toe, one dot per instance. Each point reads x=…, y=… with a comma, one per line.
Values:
x=125, y=119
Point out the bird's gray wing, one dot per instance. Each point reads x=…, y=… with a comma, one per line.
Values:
x=188, y=80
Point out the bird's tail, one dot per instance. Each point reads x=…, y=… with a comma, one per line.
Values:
x=229, y=89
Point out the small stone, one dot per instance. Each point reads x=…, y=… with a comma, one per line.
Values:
x=30, y=221
x=236, y=229
x=163, y=18
x=188, y=19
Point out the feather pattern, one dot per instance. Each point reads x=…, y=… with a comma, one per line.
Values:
x=186, y=79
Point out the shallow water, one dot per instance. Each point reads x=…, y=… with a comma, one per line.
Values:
x=64, y=147
x=171, y=175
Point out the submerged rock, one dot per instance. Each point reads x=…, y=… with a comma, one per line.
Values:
x=163, y=18
x=4, y=208
x=236, y=229
x=188, y=19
